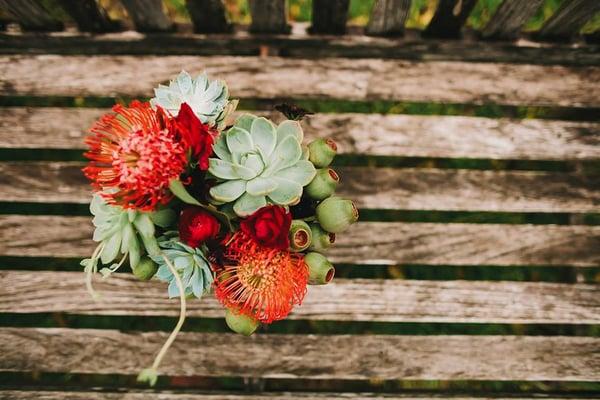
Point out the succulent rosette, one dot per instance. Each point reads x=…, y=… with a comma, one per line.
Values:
x=247, y=211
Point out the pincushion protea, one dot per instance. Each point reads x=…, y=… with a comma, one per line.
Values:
x=134, y=154
x=263, y=283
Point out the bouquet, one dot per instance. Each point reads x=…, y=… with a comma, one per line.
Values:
x=245, y=210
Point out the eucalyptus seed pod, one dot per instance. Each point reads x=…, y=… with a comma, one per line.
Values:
x=240, y=323
x=336, y=214
x=321, y=240
x=320, y=270
x=145, y=269
x=300, y=235
x=321, y=152
x=323, y=184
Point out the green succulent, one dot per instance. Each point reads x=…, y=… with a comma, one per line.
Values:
x=260, y=163
x=127, y=232
x=190, y=263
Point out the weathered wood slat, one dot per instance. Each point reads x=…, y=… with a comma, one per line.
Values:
x=509, y=18
x=373, y=134
x=299, y=45
x=388, y=17
x=31, y=15
x=380, y=188
x=148, y=15
x=568, y=20
x=274, y=77
x=269, y=16
x=305, y=356
x=342, y=300
x=89, y=16
x=366, y=243
x=329, y=16
x=209, y=16
x=449, y=18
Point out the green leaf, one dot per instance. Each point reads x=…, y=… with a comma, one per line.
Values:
x=177, y=188
x=245, y=121
x=112, y=247
x=287, y=192
x=287, y=153
x=221, y=150
x=264, y=135
x=247, y=204
x=253, y=162
x=261, y=186
x=302, y=172
x=128, y=235
x=290, y=128
x=228, y=191
x=144, y=225
x=163, y=218
x=239, y=140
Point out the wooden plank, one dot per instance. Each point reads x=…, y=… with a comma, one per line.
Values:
x=372, y=134
x=509, y=18
x=89, y=16
x=449, y=18
x=366, y=243
x=374, y=188
x=568, y=20
x=269, y=16
x=388, y=17
x=322, y=357
x=342, y=300
x=209, y=16
x=274, y=77
x=31, y=15
x=301, y=45
x=147, y=15
x=154, y=395
x=329, y=16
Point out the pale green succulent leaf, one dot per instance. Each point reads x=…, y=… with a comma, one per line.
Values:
x=254, y=162
x=111, y=248
x=287, y=192
x=286, y=154
x=222, y=169
x=245, y=121
x=248, y=204
x=144, y=225
x=264, y=135
x=151, y=245
x=163, y=218
x=221, y=150
x=239, y=140
x=128, y=235
x=290, y=128
x=135, y=252
x=228, y=191
x=261, y=186
x=244, y=172
x=302, y=172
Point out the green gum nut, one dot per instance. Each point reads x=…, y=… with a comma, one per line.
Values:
x=321, y=239
x=323, y=184
x=321, y=152
x=336, y=214
x=145, y=269
x=300, y=235
x=240, y=323
x=320, y=270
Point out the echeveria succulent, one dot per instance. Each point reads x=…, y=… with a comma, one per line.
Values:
x=209, y=99
x=191, y=264
x=260, y=163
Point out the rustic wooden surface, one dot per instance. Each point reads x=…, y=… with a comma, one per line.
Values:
x=509, y=18
x=329, y=16
x=89, y=16
x=449, y=18
x=368, y=134
x=388, y=17
x=209, y=16
x=305, y=356
x=379, y=188
x=274, y=77
x=164, y=395
x=31, y=15
x=568, y=20
x=299, y=44
x=268, y=16
x=365, y=243
x=341, y=300
x=148, y=15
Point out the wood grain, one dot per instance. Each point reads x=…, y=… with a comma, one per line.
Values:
x=89, y=16
x=449, y=17
x=268, y=16
x=568, y=20
x=379, y=188
x=342, y=300
x=329, y=16
x=366, y=243
x=274, y=77
x=388, y=17
x=304, y=356
x=154, y=395
x=209, y=16
x=148, y=15
x=509, y=18
x=372, y=134
x=31, y=15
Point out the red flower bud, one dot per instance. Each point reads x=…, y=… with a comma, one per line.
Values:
x=197, y=136
x=196, y=226
x=269, y=226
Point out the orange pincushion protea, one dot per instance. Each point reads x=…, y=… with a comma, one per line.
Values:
x=134, y=154
x=263, y=283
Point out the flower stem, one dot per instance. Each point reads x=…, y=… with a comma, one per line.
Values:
x=182, y=310
x=91, y=269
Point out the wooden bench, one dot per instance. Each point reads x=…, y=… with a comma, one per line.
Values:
x=489, y=215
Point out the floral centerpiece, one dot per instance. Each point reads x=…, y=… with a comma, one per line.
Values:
x=245, y=210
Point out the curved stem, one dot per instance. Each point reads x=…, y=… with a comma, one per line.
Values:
x=182, y=310
x=91, y=269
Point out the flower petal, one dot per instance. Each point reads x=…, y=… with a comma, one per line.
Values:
x=264, y=135
x=239, y=140
x=228, y=191
x=287, y=192
x=261, y=186
x=302, y=172
x=247, y=204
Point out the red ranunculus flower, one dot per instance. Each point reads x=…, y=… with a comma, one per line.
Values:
x=196, y=135
x=269, y=226
x=197, y=225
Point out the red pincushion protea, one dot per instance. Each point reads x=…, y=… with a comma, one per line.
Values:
x=134, y=154
x=264, y=283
